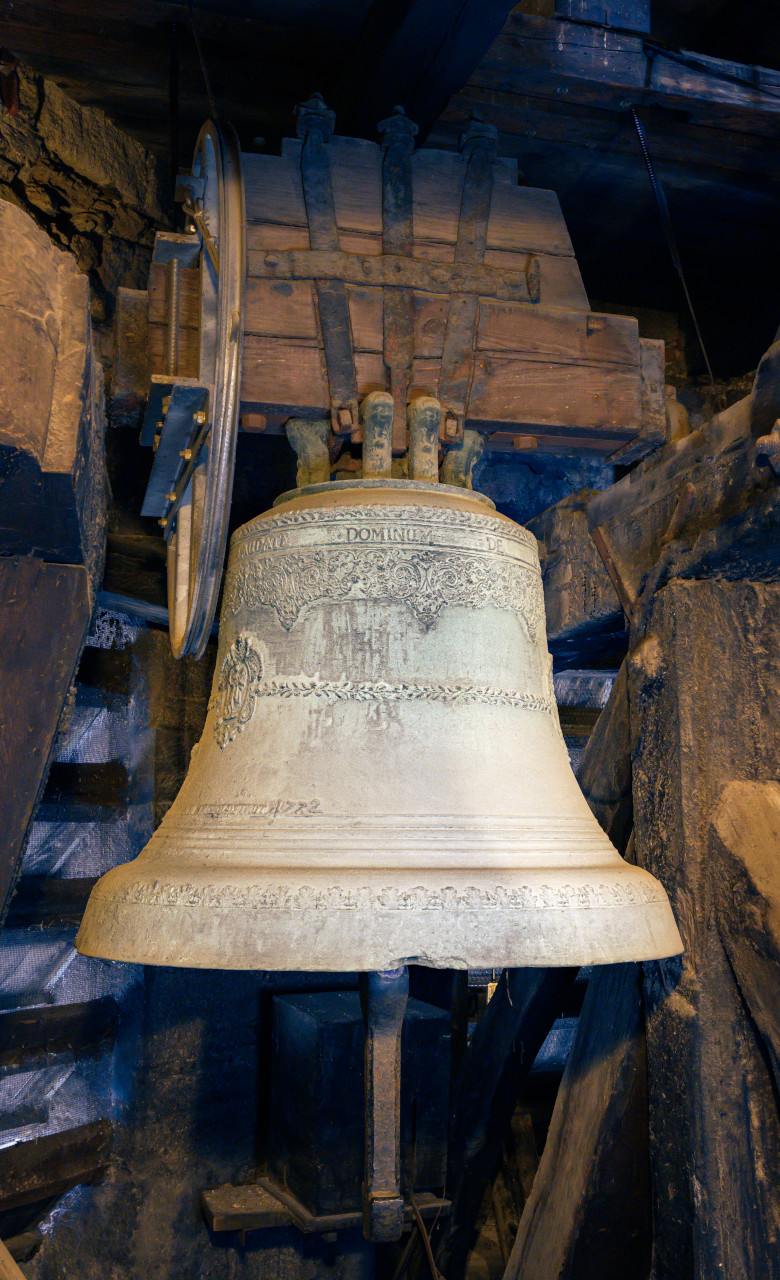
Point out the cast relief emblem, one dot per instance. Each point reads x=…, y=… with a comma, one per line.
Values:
x=425, y=580
x=239, y=677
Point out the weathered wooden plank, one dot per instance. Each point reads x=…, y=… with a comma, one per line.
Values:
x=130, y=368
x=522, y=219
x=653, y=435
x=700, y=506
x=45, y=1167
x=281, y=375
x=746, y=872
x=588, y=1213
x=44, y=613
x=501, y=1051
x=8, y=1268
x=603, y=63
x=28, y=1036
x=704, y=709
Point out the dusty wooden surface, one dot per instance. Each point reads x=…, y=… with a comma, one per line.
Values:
x=703, y=689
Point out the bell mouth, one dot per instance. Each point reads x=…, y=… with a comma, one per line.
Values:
x=408, y=486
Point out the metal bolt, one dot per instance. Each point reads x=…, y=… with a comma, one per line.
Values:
x=170, y=497
x=163, y=521
x=199, y=418
x=344, y=417
x=186, y=454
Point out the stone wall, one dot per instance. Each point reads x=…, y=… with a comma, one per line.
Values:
x=93, y=189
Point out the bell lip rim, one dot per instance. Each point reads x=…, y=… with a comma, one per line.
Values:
x=380, y=483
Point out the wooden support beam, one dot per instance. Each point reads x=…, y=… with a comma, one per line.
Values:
x=84, y=792
x=28, y=1036
x=701, y=714
x=416, y=53
x=45, y=1167
x=44, y=613
x=601, y=66
x=588, y=1213
x=41, y=902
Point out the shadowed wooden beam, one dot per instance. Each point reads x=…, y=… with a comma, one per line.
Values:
x=588, y=1213
x=31, y=1171
x=44, y=612
x=415, y=53
x=501, y=1052
x=29, y=1035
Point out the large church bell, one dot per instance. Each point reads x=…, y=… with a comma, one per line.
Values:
x=382, y=778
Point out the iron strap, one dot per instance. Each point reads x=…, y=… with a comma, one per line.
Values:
x=397, y=134
x=399, y=272
x=478, y=148
x=315, y=126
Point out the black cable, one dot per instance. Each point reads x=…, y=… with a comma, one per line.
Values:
x=209, y=94
x=668, y=230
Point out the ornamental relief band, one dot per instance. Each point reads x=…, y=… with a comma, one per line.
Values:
x=255, y=897
x=424, y=580
x=387, y=523
x=241, y=683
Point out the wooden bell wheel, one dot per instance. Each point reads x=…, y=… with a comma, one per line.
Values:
x=196, y=530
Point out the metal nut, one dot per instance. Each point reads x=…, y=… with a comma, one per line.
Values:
x=199, y=418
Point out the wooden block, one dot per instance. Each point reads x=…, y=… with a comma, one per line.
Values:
x=652, y=362
x=46, y=1167
x=44, y=613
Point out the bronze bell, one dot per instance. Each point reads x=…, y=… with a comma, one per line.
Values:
x=382, y=778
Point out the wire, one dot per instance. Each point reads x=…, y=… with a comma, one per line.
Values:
x=207, y=81
x=668, y=230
